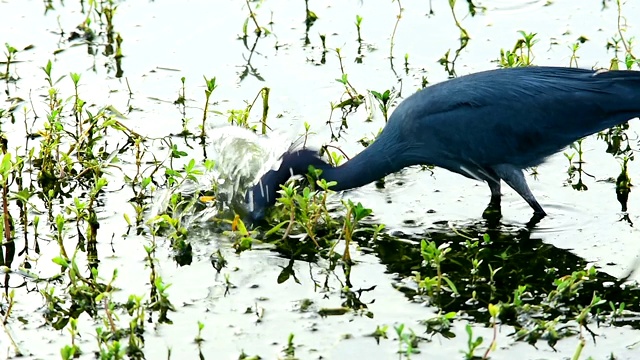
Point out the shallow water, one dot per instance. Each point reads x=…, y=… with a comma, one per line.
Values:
x=164, y=41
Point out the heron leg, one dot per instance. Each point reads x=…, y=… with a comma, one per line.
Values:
x=514, y=177
x=496, y=196
x=493, y=212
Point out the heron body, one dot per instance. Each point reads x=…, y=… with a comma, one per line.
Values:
x=487, y=126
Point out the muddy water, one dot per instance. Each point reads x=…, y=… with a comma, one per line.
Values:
x=164, y=41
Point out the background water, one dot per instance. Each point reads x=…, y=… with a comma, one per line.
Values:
x=164, y=41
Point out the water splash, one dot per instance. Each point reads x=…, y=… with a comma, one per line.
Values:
x=241, y=157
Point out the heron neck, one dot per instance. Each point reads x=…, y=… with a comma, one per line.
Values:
x=373, y=163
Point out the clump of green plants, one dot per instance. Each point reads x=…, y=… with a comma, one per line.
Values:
x=522, y=52
x=573, y=61
x=619, y=42
x=433, y=257
x=354, y=99
x=258, y=30
x=384, y=101
x=575, y=167
x=240, y=117
x=450, y=65
x=10, y=54
x=407, y=341
x=303, y=225
x=71, y=167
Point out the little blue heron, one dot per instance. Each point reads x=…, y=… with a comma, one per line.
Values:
x=487, y=126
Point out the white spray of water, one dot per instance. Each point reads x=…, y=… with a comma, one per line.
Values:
x=241, y=158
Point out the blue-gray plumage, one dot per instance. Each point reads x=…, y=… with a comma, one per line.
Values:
x=487, y=126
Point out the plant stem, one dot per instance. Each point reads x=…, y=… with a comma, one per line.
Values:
x=253, y=17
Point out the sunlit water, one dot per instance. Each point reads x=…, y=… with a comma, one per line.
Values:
x=167, y=40
x=514, y=7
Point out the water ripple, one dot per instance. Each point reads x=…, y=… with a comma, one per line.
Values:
x=514, y=6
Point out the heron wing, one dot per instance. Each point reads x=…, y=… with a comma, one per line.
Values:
x=514, y=116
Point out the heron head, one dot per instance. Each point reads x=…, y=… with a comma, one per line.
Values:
x=262, y=196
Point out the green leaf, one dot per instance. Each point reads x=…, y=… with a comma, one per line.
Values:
x=60, y=261
x=276, y=228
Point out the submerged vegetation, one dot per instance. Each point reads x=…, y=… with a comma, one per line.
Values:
x=99, y=211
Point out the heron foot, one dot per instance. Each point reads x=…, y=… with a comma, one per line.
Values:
x=492, y=212
x=536, y=218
